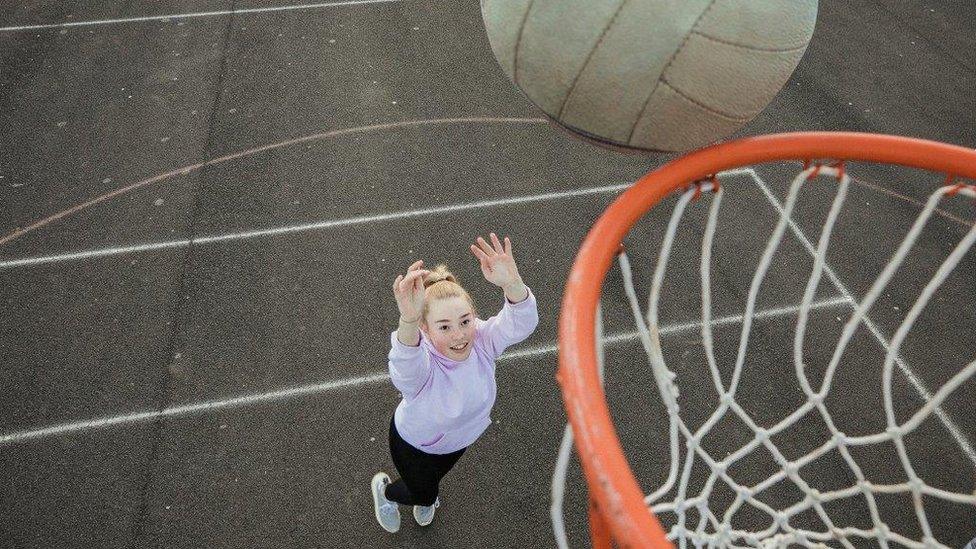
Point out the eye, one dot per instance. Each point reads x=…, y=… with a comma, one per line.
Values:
x=465, y=322
x=443, y=327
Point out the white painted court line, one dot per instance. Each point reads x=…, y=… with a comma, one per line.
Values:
x=318, y=388
x=923, y=392
x=688, y=326
x=178, y=16
x=304, y=227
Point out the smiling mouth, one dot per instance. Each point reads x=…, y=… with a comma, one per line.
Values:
x=460, y=347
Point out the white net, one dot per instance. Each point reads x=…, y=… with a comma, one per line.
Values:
x=704, y=497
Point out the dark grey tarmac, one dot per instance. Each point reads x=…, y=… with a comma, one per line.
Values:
x=390, y=126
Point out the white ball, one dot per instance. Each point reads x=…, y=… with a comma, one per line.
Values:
x=663, y=75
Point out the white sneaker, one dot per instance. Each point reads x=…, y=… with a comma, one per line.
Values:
x=425, y=515
x=387, y=512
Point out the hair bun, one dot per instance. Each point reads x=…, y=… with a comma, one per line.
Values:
x=434, y=291
x=439, y=274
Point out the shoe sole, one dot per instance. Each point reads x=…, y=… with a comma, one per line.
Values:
x=378, y=479
x=422, y=523
x=417, y=519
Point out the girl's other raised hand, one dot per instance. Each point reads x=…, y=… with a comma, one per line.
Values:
x=498, y=265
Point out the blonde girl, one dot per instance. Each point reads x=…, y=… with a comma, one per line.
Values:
x=442, y=360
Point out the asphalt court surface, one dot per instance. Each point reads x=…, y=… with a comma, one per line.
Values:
x=328, y=147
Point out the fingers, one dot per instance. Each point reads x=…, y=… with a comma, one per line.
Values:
x=416, y=265
x=496, y=244
x=485, y=247
x=413, y=280
x=416, y=275
x=508, y=247
x=482, y=256
x=496, y=247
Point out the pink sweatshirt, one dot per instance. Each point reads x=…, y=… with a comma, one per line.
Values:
x=446, y=403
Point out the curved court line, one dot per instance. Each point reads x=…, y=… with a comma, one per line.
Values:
x=910, y=200
x=313, y=389
x=241, y=11
x=21, y=231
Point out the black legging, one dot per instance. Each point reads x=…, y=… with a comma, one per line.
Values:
x=420, y=472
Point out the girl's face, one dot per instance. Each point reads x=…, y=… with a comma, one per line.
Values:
x=450, y=327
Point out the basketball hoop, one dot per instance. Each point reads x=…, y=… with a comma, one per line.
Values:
x=619, y=509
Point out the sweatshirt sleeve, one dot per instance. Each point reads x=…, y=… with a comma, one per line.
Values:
x=514, y=323
x=409, y=367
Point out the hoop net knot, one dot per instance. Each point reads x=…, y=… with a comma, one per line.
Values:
x=699, y=184
x=957, y=186
x=839, y=164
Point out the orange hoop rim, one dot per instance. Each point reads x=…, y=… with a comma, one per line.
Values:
x=613, y=488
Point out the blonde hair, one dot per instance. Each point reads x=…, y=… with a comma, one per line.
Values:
x=441, y=283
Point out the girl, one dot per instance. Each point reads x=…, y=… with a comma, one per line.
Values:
x=442, y=361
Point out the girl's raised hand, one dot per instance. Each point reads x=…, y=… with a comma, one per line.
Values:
x=497, y=263
x=409, y=292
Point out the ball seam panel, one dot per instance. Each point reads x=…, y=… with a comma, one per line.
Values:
x=703, y=106
x=518, y=42
x=589, y=56
x=748, y=47
x=660, y=79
